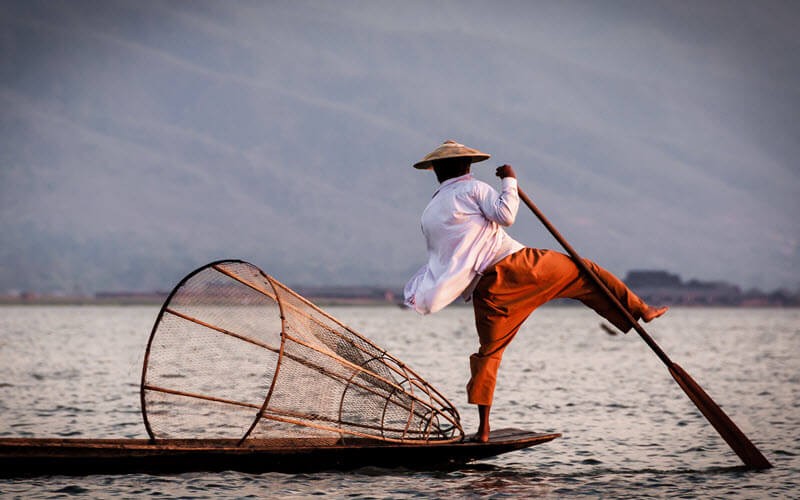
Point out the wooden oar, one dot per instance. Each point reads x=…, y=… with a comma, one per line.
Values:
x=735, y=438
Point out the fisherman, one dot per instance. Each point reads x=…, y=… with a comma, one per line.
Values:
x=471, y=256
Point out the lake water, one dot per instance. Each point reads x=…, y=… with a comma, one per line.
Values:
x=628, y=429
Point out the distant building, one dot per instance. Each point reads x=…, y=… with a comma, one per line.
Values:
x=662, y=287
x=643, y=279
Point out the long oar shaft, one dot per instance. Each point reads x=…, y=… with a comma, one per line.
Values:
x=735, y=438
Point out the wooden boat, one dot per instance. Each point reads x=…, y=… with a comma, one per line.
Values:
x=54, y=456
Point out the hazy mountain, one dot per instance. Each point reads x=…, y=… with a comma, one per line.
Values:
x=143, y=139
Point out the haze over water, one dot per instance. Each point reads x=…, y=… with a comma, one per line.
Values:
x=144, y=139
x=629, y=431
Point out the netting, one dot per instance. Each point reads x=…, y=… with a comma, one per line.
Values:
x=236, y=354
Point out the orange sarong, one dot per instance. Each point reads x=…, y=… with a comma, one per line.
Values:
x=513, y=288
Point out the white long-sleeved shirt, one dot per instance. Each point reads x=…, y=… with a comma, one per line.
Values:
x=463, y=226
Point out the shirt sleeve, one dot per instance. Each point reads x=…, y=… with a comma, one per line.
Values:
x=499, y=207
x=410, y=290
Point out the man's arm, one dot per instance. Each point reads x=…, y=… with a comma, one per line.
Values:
x=501, y=208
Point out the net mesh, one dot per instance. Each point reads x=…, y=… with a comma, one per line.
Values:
x=236, y=354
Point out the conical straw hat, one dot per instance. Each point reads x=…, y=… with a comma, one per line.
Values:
x=450, y=149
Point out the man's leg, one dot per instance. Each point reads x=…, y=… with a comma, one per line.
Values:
x=511, y=290
x=500, y=311
x=483, y=427
x=581, y=287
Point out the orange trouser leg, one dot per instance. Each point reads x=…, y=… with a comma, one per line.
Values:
x=514, y=287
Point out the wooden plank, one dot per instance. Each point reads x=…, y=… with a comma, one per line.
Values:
x=29, y=457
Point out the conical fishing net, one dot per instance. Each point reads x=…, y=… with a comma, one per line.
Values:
x=236, y=354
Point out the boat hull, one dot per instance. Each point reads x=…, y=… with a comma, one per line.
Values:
x=52, y=456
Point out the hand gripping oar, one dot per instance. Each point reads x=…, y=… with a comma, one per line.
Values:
x=735, y=438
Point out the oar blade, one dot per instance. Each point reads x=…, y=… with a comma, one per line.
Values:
x=735, y=438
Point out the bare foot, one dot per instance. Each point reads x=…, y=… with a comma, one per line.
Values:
x=483, y=426
x=479, y=437
x=652, y=313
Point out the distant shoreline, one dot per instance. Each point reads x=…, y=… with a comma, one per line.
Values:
x=333, y=301
x=653, y=286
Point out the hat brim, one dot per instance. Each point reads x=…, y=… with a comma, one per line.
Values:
x=428, y=164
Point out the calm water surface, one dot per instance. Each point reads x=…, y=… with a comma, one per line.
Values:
x=629, y=431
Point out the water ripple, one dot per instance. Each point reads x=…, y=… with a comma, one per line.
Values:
x=629, y=431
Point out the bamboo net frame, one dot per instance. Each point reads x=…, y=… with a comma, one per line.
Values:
x=235, y=353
